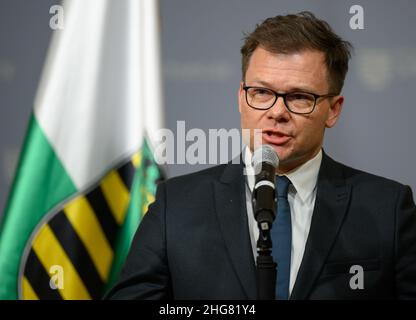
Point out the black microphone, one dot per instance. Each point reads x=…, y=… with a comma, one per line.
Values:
x=265, y=161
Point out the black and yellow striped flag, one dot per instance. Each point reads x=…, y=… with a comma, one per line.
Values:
x=71, y=252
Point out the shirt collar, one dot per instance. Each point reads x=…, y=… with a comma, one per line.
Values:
x=303, y=178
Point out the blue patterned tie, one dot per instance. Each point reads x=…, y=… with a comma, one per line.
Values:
x=282, y=238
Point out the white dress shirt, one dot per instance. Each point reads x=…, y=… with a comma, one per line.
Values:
x=301, y=197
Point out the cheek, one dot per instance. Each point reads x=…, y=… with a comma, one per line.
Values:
x=246, y=119
x=251, y=128
x=312, y=130
x=251, y=119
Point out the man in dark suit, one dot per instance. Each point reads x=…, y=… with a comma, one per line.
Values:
x=352, y=235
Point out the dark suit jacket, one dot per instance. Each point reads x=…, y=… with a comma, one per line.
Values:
x=194, y=242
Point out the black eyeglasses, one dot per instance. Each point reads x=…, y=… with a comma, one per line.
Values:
x=296, y=102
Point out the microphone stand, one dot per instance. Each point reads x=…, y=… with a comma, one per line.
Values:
x=266, y=267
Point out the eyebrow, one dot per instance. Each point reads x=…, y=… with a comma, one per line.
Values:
x=267, y=85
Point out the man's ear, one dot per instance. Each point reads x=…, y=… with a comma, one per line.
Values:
x=334, y=111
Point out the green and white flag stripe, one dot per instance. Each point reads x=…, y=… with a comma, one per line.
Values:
x=86, y=172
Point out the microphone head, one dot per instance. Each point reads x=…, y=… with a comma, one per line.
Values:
x=265, y=153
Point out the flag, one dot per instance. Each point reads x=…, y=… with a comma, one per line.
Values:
x=86, y=172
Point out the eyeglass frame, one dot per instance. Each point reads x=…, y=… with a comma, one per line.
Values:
x=283, y=95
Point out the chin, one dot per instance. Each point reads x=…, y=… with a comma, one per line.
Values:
x=282, y=152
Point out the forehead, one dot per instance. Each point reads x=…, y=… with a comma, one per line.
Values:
x=305, y=69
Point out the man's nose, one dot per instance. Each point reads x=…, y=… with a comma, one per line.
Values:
x=278, y=110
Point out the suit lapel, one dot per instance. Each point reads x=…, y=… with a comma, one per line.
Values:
x=331, y=204
x=230, y=202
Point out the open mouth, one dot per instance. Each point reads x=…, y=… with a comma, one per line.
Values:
x=275, y=134
x=275, y=137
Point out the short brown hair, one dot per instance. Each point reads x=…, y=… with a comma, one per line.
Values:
x=297, y=32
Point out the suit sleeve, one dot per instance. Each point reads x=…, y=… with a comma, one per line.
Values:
x=406, y=245
x=145, y=274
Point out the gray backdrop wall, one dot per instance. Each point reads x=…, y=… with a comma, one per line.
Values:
x=201, y=41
